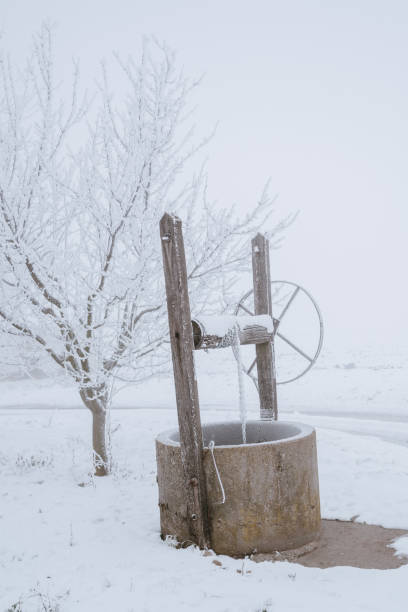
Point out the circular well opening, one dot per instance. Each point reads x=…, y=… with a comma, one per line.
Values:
x=230, y=434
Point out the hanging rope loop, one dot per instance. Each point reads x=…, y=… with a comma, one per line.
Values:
x=211, y=447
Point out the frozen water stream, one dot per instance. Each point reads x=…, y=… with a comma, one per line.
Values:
x=236, y=349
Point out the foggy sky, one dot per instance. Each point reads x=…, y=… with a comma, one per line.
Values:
x=313, y=95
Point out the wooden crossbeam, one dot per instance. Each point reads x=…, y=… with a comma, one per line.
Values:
x=255, y=332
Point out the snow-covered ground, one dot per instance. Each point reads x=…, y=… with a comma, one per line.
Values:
x=71, y=542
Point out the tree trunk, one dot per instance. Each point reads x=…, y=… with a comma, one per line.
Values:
x=100, y=455
x=97, y=401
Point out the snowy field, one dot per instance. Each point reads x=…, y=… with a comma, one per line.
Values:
x=73, y=543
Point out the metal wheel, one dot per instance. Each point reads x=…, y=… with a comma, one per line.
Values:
x=283, y=303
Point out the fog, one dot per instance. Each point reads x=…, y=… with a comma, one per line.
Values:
x=312, y=95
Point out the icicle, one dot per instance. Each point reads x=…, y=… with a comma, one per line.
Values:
x=242, y=402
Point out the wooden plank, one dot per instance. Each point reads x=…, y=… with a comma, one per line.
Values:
x=265, y=353
x=181, y=338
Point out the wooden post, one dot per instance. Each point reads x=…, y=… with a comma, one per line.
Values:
x=265, y=353
x=181, y=338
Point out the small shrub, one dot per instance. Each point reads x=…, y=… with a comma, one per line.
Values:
x=30, y=462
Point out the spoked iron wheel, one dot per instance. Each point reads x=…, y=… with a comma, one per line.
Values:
x=284, y=294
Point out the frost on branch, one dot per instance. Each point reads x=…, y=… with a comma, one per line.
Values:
x=80, y=260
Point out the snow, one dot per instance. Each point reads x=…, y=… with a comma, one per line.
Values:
x=401, y=546
x=86, y=544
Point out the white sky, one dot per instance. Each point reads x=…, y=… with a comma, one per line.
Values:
x=314, y=95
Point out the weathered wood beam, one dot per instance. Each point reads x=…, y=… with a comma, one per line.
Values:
x=265, y=354
x=188, y=410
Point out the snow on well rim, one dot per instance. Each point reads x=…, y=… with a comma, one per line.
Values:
x=221, y=432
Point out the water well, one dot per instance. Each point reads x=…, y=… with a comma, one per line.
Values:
x=271, y=486
x=235, y=487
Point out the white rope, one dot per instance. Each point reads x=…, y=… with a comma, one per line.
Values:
x=211, y=447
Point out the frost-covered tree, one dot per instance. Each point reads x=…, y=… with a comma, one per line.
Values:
x=80, y=259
